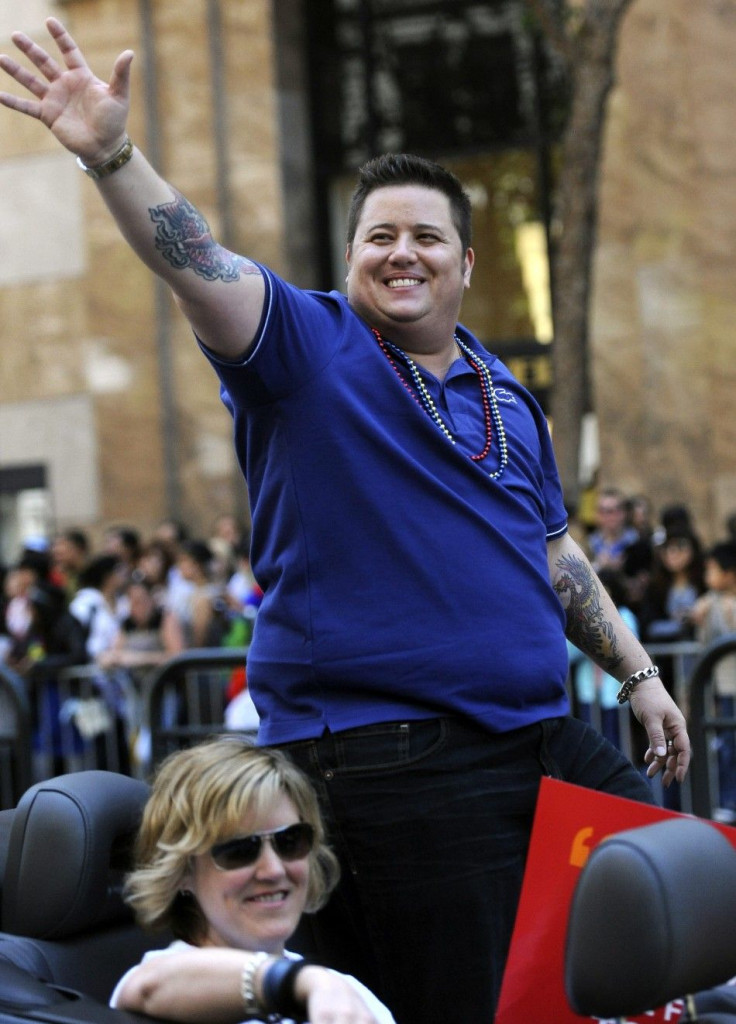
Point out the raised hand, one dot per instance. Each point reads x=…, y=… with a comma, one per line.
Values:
x=85, y=114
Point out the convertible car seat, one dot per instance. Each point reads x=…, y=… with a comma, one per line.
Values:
x=62, y=917
x=653, y=918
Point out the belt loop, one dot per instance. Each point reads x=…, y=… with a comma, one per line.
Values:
x=548, y=763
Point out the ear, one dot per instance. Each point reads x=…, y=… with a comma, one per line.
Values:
x=186, y=883
x=468, y=270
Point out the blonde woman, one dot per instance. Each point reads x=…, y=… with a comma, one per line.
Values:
x=230, y=853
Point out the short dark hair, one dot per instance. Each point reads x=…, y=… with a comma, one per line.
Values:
x=724, y=555
x=199, y=551
x=407, y=169
x=129, y=537
x=76, y=537
x=37, y=562
x=98, y=570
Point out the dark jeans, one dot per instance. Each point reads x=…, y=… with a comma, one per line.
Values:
x=431, y=822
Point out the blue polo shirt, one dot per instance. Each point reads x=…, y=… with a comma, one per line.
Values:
x=400, y=580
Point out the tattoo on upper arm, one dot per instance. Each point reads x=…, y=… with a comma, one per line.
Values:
x=183, y=238
x=587, y=626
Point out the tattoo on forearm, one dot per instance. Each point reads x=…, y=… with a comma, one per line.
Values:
x=587, y=626
x=183, y=238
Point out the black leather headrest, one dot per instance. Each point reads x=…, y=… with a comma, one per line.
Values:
x=653, y=918
x=69, y=847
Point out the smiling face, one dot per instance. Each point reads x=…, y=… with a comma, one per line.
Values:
x=256, y=907
x=407, y=270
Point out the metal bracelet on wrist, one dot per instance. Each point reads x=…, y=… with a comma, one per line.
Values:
x=116, y=161
x=251, y=1004
x=629, y=685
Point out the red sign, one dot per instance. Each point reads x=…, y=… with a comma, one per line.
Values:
x=569, y=822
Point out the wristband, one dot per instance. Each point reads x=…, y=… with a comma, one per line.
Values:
x=251, y=1004
x=628, y=685
x=278, y=989
x=116, y=161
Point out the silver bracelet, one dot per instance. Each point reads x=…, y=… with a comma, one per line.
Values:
x=117, y=160
x=628, y=686
x=251, y=1004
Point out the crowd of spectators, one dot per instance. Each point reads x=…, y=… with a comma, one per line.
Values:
x=657, y=562
x=118, y=609
x=670, y=589
x=132, y=602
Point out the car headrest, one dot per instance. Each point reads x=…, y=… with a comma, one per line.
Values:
x=653, y=918
x=69, y=848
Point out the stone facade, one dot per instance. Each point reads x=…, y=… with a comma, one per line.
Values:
x=82, y=322
x=79, y=316
x=664, y=346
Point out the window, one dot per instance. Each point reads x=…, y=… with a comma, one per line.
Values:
x=25, y=509
x=469, y=85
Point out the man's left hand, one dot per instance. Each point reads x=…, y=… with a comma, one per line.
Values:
x=669, y=743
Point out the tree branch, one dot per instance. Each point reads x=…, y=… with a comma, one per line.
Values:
x=551, y=17
x=591, y=31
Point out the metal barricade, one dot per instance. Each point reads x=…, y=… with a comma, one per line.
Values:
x=677, y=660
x=706, y=727
x=682, y=656
x=184, y=700
x=84, y=721
x=16, y=769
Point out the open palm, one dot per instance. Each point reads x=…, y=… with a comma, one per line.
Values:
x=86, y=115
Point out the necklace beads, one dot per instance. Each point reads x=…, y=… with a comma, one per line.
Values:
x=420, y=393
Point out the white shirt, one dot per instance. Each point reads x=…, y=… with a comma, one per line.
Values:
x=92, y=610
x=376, y=1007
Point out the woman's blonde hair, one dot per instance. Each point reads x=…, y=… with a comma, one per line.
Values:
x=199, y=797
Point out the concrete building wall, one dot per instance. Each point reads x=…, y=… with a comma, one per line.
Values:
x=82, y=325
x=663, y=334
x=79, y=317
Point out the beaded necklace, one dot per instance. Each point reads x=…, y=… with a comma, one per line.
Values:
x=420, y=394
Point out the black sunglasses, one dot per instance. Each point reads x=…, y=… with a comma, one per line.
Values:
x=292, y=842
